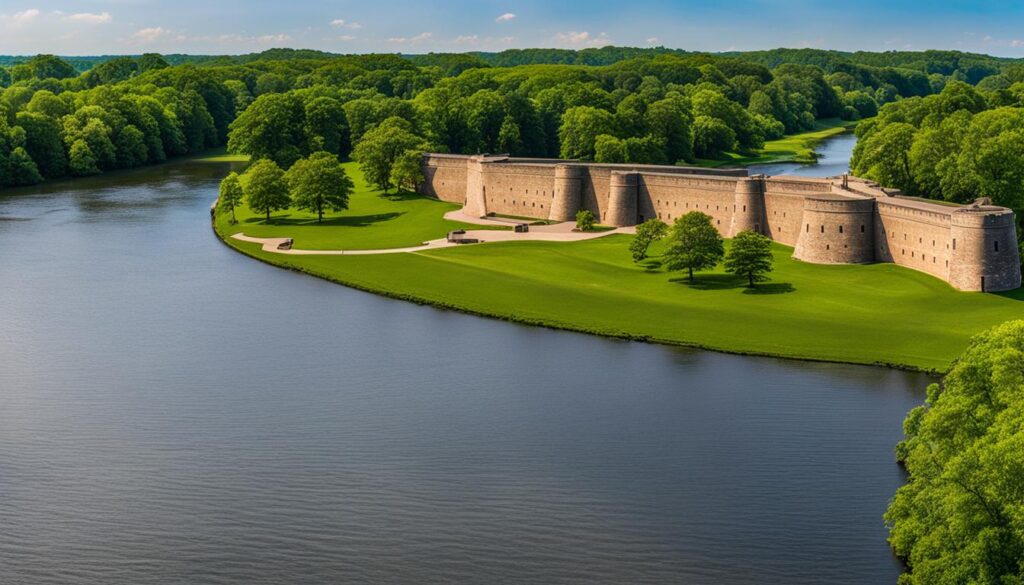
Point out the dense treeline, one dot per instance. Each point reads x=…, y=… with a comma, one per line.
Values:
x=610, y=104
x=959, y=518
x=957, y=145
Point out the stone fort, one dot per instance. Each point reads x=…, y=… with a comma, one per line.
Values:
x=837, y=220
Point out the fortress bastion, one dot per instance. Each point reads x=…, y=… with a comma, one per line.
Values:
x=836, y=220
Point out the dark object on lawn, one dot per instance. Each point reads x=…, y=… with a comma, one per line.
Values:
x=459, y=237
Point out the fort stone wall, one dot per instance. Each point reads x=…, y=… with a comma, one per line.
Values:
x=913, y=235
x=445, y=177
x=826, y=220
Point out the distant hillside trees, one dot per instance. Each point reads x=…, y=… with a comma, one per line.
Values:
x=612, y=104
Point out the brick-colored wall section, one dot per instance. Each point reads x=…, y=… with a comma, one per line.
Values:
x=825, y=220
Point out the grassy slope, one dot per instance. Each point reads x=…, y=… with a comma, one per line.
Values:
x=373, y=220
x=866, y=314
x=794, y=148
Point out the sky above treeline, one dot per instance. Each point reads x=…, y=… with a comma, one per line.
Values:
x=92, y=27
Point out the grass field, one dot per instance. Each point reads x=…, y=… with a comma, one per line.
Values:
x=879, y=313
x=797, y=148
x=373, y=220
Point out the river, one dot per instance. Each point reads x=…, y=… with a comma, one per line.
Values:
x=833, y=160
x=174, y=412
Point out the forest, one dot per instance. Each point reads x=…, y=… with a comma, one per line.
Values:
x=939, y=124
x=89, y=115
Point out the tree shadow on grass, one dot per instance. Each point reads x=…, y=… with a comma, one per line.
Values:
x=336, y=221
x=770, y=288
x=650, y=265
x=711, y=281
x=730, y=281
x=403, y=195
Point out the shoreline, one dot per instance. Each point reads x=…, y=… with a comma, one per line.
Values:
x=620, y=335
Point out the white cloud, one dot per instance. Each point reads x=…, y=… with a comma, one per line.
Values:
x=423, y=36
x=278, y=38
x=150, y=34
x=582, y=39
x=342, y=23
x=652, y=41
x=1017, y=43
x=20, y=18
x=89, y=17
x=466, y=40
x=505, y=17
x=346, y=38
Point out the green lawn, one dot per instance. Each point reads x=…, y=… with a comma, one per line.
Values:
x=373, y=220
x=864, y=314
x=793, y=148
x=220, y=155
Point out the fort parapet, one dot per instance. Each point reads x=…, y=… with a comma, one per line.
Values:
x=832, y=220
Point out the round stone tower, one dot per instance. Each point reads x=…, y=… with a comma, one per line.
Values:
x=568, y=193
x=837, y=230
x=749, y=211
x=983, y=249
x=622, y=199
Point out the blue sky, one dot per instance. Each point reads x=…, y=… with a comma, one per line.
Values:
x=84, y=27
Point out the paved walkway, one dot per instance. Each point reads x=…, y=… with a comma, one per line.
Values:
x=559, y=232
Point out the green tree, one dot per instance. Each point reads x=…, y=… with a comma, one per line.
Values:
x=670, y=121
x=646, y=234
x=231, y=194
x=382, y=147
x=49, y=66
x=81, y=160
x=579, y=131
x=273, y=127
x=884, y=156
x=585, y=220
x=325, y=127
x=407, y=172
x=750, y=255
x=958, y=518
x=712, y=137
x=43, y=143
x=509, y=138
x=131, y=147
x=265, y=187
x=319, y=183
x=23, y=170
x=693, y=244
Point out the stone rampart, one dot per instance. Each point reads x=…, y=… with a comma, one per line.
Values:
x=826, y=220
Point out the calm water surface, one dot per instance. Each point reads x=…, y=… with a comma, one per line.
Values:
x=173, y=412
x=833, y=160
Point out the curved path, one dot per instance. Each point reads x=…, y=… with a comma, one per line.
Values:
x=559, y=232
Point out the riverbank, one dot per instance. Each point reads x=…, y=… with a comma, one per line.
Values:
x=796, y=148
x=869, y=314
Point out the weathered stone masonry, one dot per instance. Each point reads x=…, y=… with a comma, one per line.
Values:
x=827, y=221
